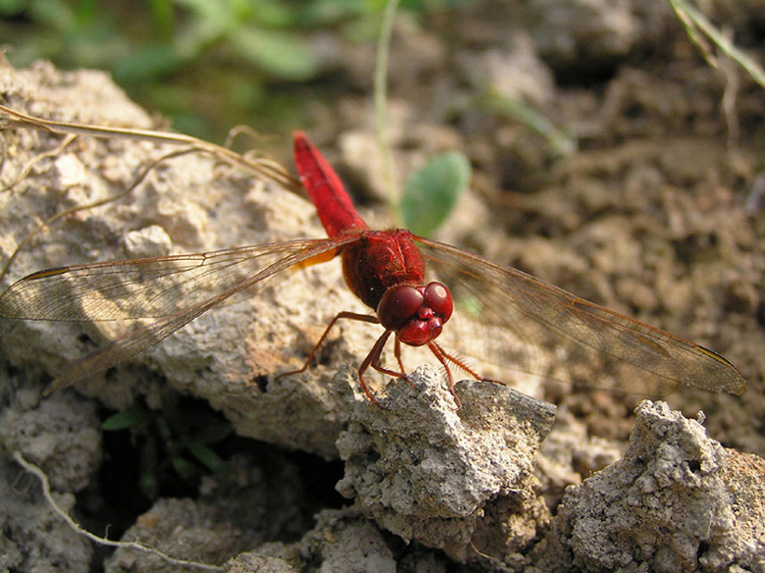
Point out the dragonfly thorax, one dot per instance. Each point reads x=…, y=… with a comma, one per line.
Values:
x=379, y=261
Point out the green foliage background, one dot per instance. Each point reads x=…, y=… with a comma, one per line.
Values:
x=206, y=64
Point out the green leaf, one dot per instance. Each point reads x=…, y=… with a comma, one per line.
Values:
x=431, y=192
x=148, y=63
x=214, y=433
x=55, y=13
x=162, y=17
x=281, y=54
x=149, y=485
x=470, y=305
x=12, y=7
x=333, y=12
x=130, y=418
x=219, y=15
x=147, y=480
x=208, y=457
x=273, y=13
x=184, y=468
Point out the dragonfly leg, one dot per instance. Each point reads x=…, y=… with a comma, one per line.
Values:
x=344, y=314
x=397, y=353
x=372, y=360
x=444, y=358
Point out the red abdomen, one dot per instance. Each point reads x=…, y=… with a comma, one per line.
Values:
x=334, y=205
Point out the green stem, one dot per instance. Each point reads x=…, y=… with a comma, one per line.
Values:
x=693, y=20
x=380, y=99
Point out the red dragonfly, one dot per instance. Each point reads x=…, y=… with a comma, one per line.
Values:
x=529, y=319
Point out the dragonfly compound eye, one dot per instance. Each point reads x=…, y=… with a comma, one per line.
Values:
x=398, y=305
x=438, y=298
x=416, y=314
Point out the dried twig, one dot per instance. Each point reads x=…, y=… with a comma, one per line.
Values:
x=24, y=171
x=264, y=168
x=137, y=545
x=259, y=167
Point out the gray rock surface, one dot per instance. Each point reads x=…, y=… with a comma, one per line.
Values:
x=254, y=505
x=32, y=536
x=461, y=480
x=593, y=34
x=677, y=501
x=425, y=472
x=59, y=434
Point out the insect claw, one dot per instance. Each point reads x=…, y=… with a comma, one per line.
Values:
x=372, y=396
x=456, y=399
x=409, y=381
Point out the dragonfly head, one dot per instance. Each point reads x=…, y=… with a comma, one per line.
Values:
x=416, y=314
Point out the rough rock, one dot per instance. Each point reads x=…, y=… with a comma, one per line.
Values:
x=568, y=455
x=356, y=544
x=59, y=434
x=460, y=480
x=32, y=536
x=255, y=563
x=257, y=504
x=620, y=517
x=592, y=34
x=677, y=501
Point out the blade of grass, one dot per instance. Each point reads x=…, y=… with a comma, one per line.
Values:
x=695, y=21
x=380, y=99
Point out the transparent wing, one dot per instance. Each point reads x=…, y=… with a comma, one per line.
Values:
x=174, y=289
x=544, y=330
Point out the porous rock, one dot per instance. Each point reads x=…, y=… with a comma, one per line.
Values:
x=342, y=541
x=593, y=34
x=32, y=536
x=569, y=454
x=458, y=479
x=236, y=513
x=677, y=501
x=256, y=563
x=60, y=434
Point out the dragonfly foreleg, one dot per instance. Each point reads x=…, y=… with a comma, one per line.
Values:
x=317, y=346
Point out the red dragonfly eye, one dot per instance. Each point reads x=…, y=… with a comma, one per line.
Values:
x=438, y=297
x=398, y=306
x=416, y=314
